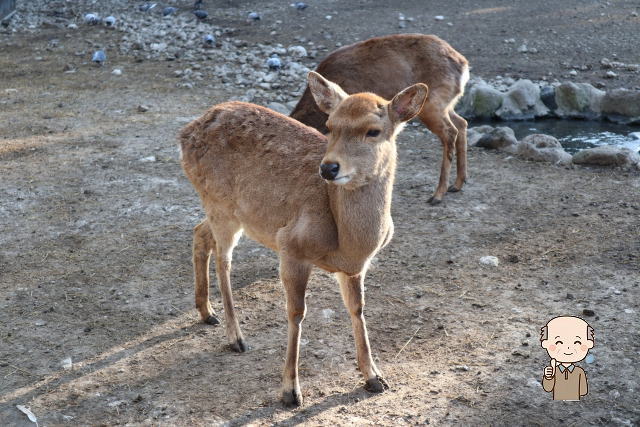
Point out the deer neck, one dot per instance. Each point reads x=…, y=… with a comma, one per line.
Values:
x=363, y=215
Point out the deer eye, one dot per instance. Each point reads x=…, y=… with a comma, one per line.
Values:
x=372, y=133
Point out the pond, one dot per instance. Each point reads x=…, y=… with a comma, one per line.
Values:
x=576, y=135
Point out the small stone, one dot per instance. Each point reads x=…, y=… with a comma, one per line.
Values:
x=110, y=21
x=150, y=159
x=629, y=311
x=573, y=73
x=72, y=26
x=610, y=75
x=300, y=5
x=513, y=259
x=40, y=323
x=117, y=72
x=588, y=312
x=569, y=296
x=146, y=7
x=169, y=11
x=91, y=19
x=523, y=48
x=274, y=63
x=254, y=16
x=489, y=261
x=66, y=363
x=297, y=51
x=201, y=14
x=143, y=108
x=328, y=17
x=438, y=17
x=99, y=57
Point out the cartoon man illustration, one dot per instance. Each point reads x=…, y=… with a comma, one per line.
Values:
x=567, y=339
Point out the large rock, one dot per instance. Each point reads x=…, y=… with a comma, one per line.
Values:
x=548, y=97
x=480, y=101
x=522, y=102
x=543, y=148
x=500, y=138
x=475, y=133
x=607, y=155
x=622, y=105
x=578, y=101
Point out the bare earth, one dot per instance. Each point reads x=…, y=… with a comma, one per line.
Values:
x=95, y=248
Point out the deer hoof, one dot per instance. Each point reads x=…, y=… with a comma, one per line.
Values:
x=212, y=320
x=453, y=189
x=240, y=346
x=376, y=385
x=292, y=398
x=433, y=201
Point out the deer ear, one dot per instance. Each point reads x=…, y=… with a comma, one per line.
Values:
x=326, y=93
x=408, y=103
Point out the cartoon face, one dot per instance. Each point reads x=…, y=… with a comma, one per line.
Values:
x=568, y=339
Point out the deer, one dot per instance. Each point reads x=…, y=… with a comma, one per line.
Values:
x=315, y=200
x=384, y=66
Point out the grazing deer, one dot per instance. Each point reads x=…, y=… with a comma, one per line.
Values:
x=257, y=171
x=386, y=65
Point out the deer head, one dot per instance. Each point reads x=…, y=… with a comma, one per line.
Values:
x=362, y=129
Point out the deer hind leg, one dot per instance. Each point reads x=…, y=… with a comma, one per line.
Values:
x=294, y=275
x=439, y=122
x=461, y=151
x=226, y=233
x=352, y=290
x=203, y=245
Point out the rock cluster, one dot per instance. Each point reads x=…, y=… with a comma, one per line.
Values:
x=220, y=60
x=526, y=100
x=546, y=148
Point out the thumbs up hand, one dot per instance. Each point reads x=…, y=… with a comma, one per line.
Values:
x=550, y=371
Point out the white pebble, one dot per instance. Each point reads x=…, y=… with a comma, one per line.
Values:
x=490, y=261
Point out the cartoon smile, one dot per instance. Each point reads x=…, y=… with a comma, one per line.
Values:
x=567, y=354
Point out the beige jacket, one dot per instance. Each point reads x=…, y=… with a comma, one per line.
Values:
x=568, y=383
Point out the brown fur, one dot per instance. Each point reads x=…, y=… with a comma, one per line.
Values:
x=385, y=65
x=257, y=171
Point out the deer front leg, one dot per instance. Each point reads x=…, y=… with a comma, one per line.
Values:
x=352, y=290
x=294, y=275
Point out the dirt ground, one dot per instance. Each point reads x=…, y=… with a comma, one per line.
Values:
x=95, y=248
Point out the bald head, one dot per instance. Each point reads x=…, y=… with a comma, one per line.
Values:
x=567, y=338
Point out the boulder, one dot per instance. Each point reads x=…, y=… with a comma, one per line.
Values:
x=480, y=101
x=522, y=102
x=499, y=138
x=607, y=155
x=622, y=106
x=578, y=101
x=475, y=133
x=543, y=148
x=548, y=97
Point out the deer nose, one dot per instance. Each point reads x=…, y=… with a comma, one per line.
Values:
x=329, y=171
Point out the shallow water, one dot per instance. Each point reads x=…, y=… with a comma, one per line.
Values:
x=576, y=135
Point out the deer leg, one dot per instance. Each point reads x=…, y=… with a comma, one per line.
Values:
x=440, y=124
x=226, y=233
x=294, y=275
x=352, y=290
x=461, y=152
x=203, y=245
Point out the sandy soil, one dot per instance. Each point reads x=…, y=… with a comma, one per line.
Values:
x=95, y=250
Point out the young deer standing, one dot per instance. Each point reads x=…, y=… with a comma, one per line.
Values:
x=257, y=171
x=384, y=66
